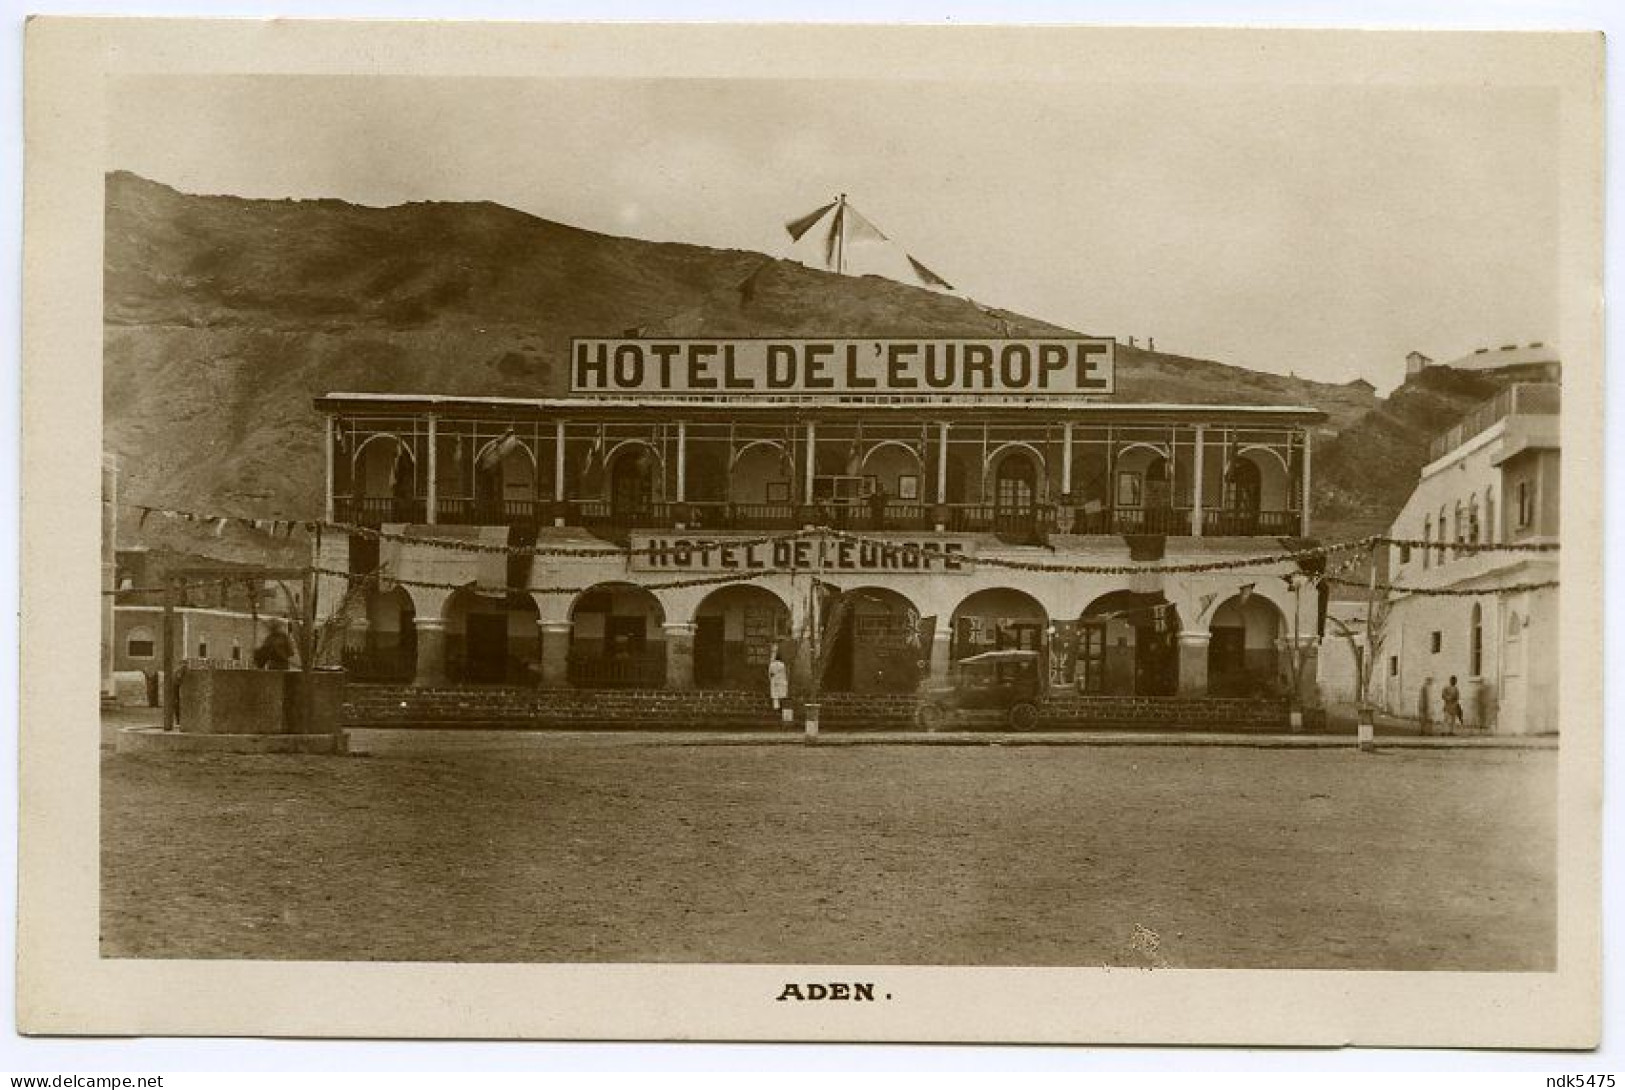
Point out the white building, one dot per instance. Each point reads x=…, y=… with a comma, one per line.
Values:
x=1535, y=360
x=1491, y=479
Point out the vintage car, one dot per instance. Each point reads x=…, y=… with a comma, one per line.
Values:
x=1011, y=682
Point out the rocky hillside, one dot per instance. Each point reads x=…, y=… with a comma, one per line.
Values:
x=224, y=316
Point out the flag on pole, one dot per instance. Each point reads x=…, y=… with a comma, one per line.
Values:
x=929, y=278
x=854, y=453
x=802, y=224
x=494, y=452
x=595, y=455
x=840, y=239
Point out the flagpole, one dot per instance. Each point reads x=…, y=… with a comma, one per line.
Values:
x=840, y=234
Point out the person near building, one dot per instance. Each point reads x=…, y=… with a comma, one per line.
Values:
x=175, y=688
x=778, y=685
x=1451, y=698
x=877, y=508
x=275, y=652
x=1424, y=706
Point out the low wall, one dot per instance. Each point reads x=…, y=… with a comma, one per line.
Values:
x=258, y=702
x=652, y=709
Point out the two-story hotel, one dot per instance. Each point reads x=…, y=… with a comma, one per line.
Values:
x=971, y=474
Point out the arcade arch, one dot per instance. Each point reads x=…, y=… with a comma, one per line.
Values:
x=1127, y=645
x=490, y=639
x=616, y=638
x=875, y=644
x=736, y=629
x=1243, y=655
x=998, y=619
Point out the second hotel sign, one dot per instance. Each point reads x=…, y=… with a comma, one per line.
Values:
x=713, y=553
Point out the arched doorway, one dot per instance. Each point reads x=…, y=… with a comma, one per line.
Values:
x=874, y=646
x=1243, y=497
x=387, y=648
x=504, y=483
x=1015, y=493
x=1514, y=671
x=616, y=639
x=1159, y=498
x=384, y=470
x=735, y=631
x=1242, y=656
x=632, y=485
x=1128, y=645
x=998, y=619
x=490, y=639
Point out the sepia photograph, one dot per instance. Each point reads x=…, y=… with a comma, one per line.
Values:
x=1033, y=515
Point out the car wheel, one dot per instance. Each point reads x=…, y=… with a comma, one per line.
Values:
x=1024, y=716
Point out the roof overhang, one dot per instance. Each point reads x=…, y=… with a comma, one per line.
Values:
x=738, y=408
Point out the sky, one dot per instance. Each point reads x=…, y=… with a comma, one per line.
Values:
x=1321, y=230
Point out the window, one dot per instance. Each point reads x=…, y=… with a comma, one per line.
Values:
x=1437, y=642
x=203, y=649
x=1427, y=541
x=1472, y=520
x=1489, y=517
x=138, y=644
x=1393, y=665
x=236, y=651
x=1526, y=504
x=1461, y=531
x=1444, y=533
x=1405, y=553
x=1475, y=652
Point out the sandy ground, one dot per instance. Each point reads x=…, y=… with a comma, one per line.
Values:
x=1190, y=857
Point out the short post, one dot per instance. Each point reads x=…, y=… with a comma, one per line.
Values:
x=308, y=652
x=1365, y=738
x=167, y=690
x=812, y=722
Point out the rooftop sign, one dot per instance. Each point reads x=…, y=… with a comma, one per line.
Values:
x=777, y=367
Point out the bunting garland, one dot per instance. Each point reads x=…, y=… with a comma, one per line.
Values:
x=285, y=528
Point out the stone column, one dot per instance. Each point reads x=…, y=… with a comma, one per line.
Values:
x=432, y=495
x=431, y=668
x=558, y=473
x=328, y=440
x=942, y=659
x=679, y=654
x=554, y=637
x=682, y=461
x=1200, y=470
x=1307, y=494
x=1193, y=663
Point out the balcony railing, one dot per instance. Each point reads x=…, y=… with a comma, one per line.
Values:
x=1527, y=398
x=1028, y=525
x=640, y=670
x=1252, y=523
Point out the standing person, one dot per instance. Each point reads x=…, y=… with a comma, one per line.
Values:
x=877, y=507
x=1452, y=707
x=1424, y=705
x=275, y=652
x=778, y=685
